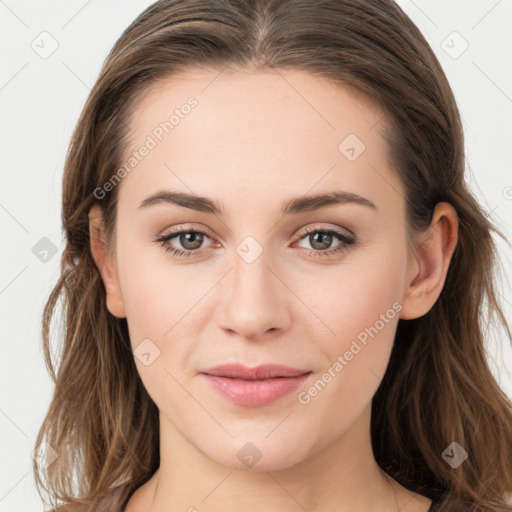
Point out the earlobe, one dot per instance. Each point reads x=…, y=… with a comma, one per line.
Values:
x=430, y=262
x=106, y=266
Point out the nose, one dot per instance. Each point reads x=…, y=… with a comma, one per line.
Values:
x=254, y=300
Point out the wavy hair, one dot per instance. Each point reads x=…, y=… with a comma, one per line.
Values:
x=438, y=387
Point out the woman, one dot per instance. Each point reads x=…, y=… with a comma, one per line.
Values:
x=274, y=273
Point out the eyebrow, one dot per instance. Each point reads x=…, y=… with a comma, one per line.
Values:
x=293, y=206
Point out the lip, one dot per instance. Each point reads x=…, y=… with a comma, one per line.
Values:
x=265, y=371
x=254, y=387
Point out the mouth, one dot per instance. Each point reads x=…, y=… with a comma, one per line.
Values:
x=263, y=372
x=254, y=387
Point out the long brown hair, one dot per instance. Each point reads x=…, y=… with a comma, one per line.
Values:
x=438, y=387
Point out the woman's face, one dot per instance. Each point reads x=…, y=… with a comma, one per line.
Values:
x=277, y=277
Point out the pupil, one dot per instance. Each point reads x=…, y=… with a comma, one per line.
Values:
x=325, y=244
x=195, y=239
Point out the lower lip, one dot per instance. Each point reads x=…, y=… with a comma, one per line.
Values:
x=255, y=393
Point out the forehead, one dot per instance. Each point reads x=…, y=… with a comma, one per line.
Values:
x=257, y=98
x=283, y=128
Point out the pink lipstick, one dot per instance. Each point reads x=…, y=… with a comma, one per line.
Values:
x=254, y=387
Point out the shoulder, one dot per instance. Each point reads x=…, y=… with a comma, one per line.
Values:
x=112, y=500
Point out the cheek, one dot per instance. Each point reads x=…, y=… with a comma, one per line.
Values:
x=156, y=295
x=359, y=302
x=157, y=319
x=162, y=305
x=363, y=311
x=353, y=295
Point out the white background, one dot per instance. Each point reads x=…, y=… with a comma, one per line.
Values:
x=40, y=101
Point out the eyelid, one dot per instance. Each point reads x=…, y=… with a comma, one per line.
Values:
x=187, y=227
x=164, y=238
x=340, y=230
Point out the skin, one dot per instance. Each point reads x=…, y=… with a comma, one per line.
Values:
x=255, y=140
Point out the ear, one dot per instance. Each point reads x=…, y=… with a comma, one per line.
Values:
x=429, y=262
x=105, y=263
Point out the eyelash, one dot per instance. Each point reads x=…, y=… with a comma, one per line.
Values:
x=346, y=240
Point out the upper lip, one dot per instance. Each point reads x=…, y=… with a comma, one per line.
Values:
x=266, y=371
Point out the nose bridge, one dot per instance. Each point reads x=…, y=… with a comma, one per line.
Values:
x=254, y=299
x=252, y=279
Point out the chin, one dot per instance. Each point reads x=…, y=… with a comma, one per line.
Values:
x=257, y=453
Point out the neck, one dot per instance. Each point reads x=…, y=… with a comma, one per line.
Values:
x=342, y=476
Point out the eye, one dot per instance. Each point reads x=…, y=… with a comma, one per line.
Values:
x=320, y=239
x=190, y=239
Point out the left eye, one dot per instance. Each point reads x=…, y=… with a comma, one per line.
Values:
x=321, y=239
x=192, y=240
